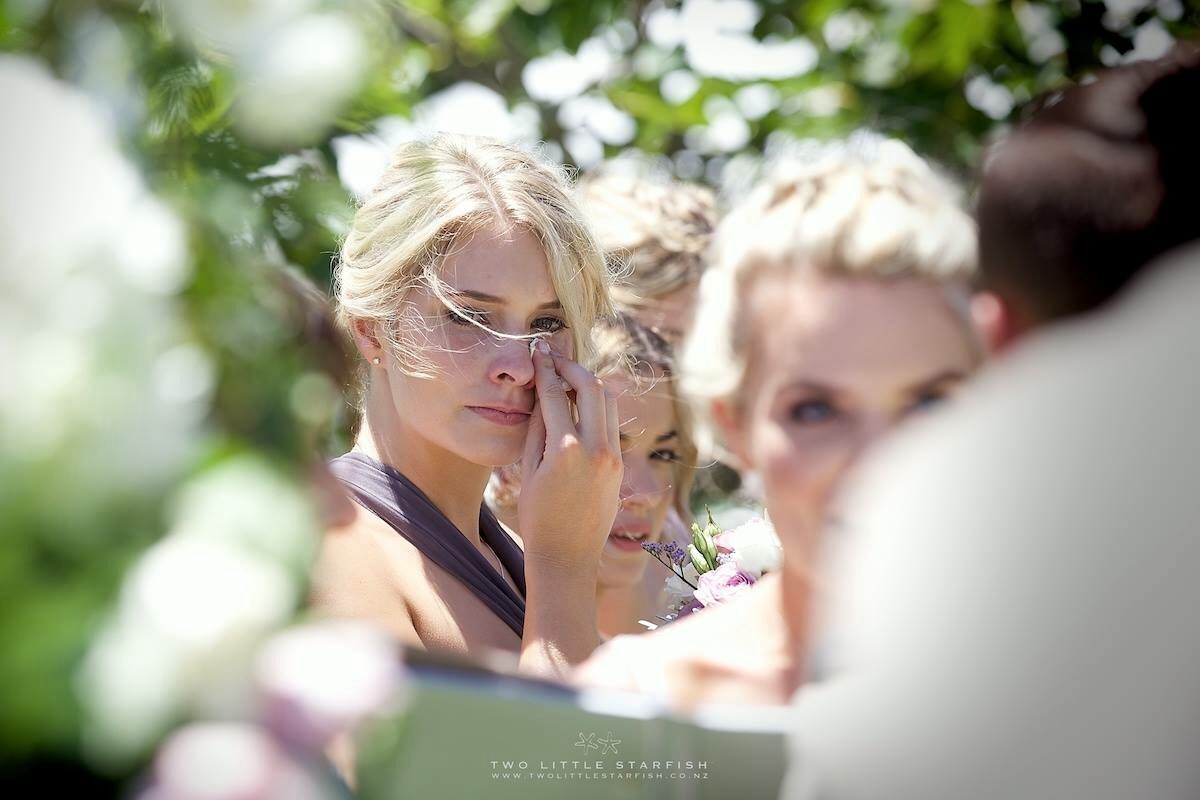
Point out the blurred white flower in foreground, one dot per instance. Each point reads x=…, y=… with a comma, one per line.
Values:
x=298, y=78
x=231, y=26
x=190, y=612
x=230, y=761
x=89, y=261
x=295, y=67
x=195, y=606
x=320, y=680
x=246, y=503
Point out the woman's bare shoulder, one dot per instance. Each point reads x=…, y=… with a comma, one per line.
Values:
x=362, y=571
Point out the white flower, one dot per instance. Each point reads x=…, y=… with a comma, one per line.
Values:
x=229, y=761
x=677, y=590
x=231, y=25
x=130, y=686
x=755, y=545
x=320, y=680
x=299, y=77
x=247, y=504
x=66, y=185
x=202, y=593
x=88, y=260
x=190, y=612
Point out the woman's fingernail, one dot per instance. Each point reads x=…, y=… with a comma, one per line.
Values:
x=542, y=347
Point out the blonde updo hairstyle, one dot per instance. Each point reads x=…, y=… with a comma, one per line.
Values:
x=655, y=234
x=627, y=348
x=866, y=208
x=433, y=194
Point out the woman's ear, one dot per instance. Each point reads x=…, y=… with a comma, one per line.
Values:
x=366, y=339
x=729, y=424
x=996, y=319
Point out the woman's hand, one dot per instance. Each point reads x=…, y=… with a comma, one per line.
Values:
x=570, y=471
x=570, y=485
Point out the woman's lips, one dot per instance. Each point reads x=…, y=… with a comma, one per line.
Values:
x=628, y=540
x=501, y=417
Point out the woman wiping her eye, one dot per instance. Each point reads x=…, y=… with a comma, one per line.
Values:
x=659, y=457
x=470, y=285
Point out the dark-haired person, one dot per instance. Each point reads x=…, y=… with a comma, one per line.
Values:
x=1085, y=194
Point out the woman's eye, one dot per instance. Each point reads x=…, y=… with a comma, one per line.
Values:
x=665, y=454
x=928, y=400
x=548, y=324
x=811, y=412
x=466, y=316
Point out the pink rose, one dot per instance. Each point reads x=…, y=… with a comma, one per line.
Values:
x=722, y=583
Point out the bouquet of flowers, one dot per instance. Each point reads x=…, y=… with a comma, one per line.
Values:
x=716, y=565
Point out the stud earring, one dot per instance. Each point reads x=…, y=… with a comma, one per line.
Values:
x=375, y=360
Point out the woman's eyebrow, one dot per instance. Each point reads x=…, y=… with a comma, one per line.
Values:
x=815, y=387
x=664, y=437
x=947, y=376
x=483, y=297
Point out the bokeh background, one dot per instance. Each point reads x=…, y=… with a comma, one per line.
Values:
x=166, y=165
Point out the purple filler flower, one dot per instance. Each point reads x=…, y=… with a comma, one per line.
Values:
x=653, y=548
x=676, y=553
x=723, y=583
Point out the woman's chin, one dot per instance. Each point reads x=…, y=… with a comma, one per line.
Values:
x=622, y=567
x=496, y=454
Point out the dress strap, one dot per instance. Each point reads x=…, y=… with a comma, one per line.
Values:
x=392, y=497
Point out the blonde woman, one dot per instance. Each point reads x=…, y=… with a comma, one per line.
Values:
x=469, y=284
x=659, y=456
x=657, y=235
x=835, y=309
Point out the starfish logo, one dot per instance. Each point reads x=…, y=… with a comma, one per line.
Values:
x=608, y=744
x=592, y=741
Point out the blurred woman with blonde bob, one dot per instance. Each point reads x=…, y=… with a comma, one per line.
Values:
x=836, y=308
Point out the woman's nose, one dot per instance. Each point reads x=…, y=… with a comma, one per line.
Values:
x=512, y=362
x=639, y=487
x=870, y=430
